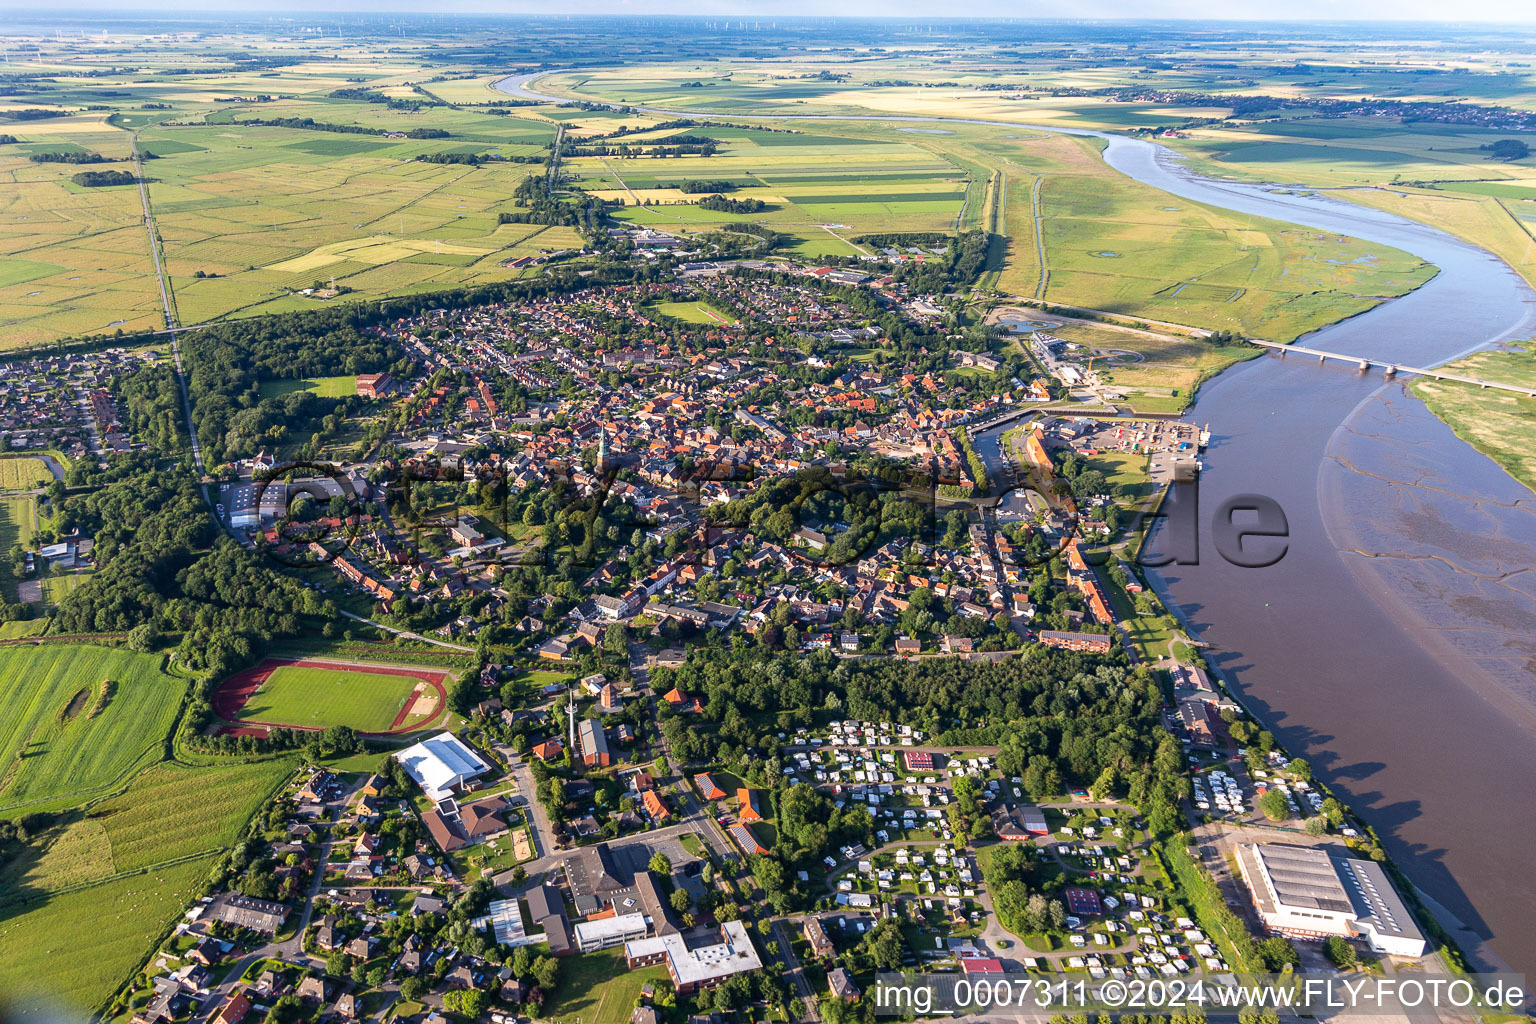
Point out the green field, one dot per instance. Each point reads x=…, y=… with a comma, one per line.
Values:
x=325, y=387
x=1499, y=424
x=23, y=473
x=692, y=312
x=323, y=697
x=71, y=951
x=81, y=904
x=63, y=736
x=17, y=526
x=596, y=988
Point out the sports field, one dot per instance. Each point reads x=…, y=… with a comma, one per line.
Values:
x=311, y=694
x=78, y=720
x=692, y=312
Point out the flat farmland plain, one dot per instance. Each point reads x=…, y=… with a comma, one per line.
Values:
x=73, y=260
x=819, y=185
x=263, y=212
x=81, y=904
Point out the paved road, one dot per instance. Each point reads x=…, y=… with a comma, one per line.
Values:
x=290, y=949
x=408, y=634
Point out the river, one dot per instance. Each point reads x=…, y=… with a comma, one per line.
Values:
x=1394, y=646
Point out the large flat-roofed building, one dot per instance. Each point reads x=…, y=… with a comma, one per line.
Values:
x=261, y=916
x=696, y=966
x=606, y=932
x=441, y=764
x=1316, y=892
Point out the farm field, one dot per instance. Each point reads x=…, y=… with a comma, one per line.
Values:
x=23, y=473
x=744, y=87
x=818, y=185
x=79, y=720
x=167, y=813
x=17, y=526
x=317, y=695
x=79, y=946
x=263, y=212
x=1497, y=423
x=72, y=260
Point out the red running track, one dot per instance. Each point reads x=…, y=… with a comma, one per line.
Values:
x=239, y=688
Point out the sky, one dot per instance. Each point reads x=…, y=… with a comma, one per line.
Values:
x=1485, y=11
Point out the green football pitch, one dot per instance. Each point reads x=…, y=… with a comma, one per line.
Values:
x=322, y=697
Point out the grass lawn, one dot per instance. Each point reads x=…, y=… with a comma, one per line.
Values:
x=597, y=988
x=106, y=882
x=325, y=387
x=323, y=697
x=22, y=473
x=77, y=947
x=692, y=312
x=56, y=588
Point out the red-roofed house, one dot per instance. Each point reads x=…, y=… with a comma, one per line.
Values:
x=747, y=811
x=708, y=787
x=654, y=805
x=981, y=965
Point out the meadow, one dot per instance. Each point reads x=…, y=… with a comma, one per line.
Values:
x=23, y=473
x=66, y=733
x=595, y=988
x=819, y=187
x=691, y=312
x=69, y=953
x=1497, y=423
x=325, y=387
x=315, y=697
x=18, y=524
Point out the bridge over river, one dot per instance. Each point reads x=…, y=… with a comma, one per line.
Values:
x=1393, y=369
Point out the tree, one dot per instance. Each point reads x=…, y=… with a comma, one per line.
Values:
x=1317, y=825
x=546, y=971
x=1509, y=149
x=1340, y=952
x=1274, y=805
x=1301, y=769
x=470, y=1002
x=142, y=638
x=616, y=640
x=680, y=900
x=1277, y=953
x=412, y=988
x=661, y=864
